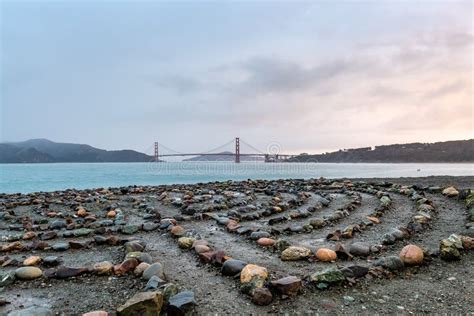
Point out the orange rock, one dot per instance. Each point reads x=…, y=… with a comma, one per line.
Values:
x=32, y=261
x=232, y=226
x=326, y=255
x=266, y=242
x=51, y=214
x=126, y=266
x=252, y=271
x=177, y=231
x=373, y=219
x=411, y=255
x=82, y=212
x=29, y=235
x=111, y=214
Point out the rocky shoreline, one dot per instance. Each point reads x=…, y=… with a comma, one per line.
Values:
x=300, y=246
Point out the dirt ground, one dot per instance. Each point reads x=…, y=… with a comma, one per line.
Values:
x=436, y=286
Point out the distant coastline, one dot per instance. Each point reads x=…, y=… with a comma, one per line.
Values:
x=46, y=151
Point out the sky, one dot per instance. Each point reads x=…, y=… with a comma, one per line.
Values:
x=302, y=76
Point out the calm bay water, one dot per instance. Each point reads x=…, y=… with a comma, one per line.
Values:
x=49, y=177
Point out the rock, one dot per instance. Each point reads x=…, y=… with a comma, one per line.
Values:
x=451, y=192
x=134, y=245
x=232, y=267
x=32, y=261
x=60, y=246
x=32, y=311
x=103, y=268
x=150, y=226
x=354, y=271
x=185, y=242
x=51, y=261
x=63, y=272
x=96, y=313
x=266, y=242
x=288, y=286
x=154, y=269
x=359, y=249
x=7, y=278
x=258, y=235
x=48, y=235
x=142, y=303
x=342, y=252
x=12, y=246
x=373, y=219
x=295, y=253
x=317, y=222
x=347, y=299
x=388, y=239
x=28, y=273
x=251, y=277
x=140, y=256
x=392, y=263
x=82, y=212
x=181, y=303
x=111, y=214
x=169, y=290
x=177, y=231
x=411, y=255
x=29, y=235
x=262, y=296
x=129, y=229
x=385, y=201
x=126, y=266
x=58, y=224
x=282, y=244
x=328, y=277
x=154, y=283
x=326, y=255
x=467, y=242
x=449, y=248
x=82, y=232
x=140, y=268
x=202, y=248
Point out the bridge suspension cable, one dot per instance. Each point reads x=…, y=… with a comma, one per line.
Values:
x=252, y=147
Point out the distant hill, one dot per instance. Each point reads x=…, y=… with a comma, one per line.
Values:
x=450, y=151
x=223, y=156
x=43, y=151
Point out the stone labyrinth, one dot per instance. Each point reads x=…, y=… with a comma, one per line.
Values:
x=139, y=249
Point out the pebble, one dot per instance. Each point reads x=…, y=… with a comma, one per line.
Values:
x=51, y=261
x=181, y=303
x=154, y=269
x=185, y=242
x=142, y=303
x=126, y=266
x=141, y=268
x=232, y=267
x=295, y=253
x=262, y=296
x=28, y=273
x=32, y=261
x=289, y=286
x=154, y=283
x=359, y=249
x=61, y=246
x=266, y=242
x=103, y=268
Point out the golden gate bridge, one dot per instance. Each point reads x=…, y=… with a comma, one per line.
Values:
x=272, y=154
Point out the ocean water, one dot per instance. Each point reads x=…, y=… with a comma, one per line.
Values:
x=26, y=178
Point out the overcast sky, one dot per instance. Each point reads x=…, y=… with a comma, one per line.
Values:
x=311, y=76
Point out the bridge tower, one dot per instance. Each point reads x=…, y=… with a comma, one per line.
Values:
x=237, y=150
x=156, y=156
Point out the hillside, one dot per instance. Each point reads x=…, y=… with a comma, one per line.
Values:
x=44, y=151
x=450, y=151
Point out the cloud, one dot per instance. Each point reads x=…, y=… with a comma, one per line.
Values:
x=447, y=89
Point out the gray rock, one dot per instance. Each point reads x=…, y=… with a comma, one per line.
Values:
x=60, y=246
x=58, y=224
x=155, y=269
x=232, y=267
x=359, y=249
x=32, y=311
x=154, y=283
x=181, y=303
x=392, y=263
x=258, y=235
